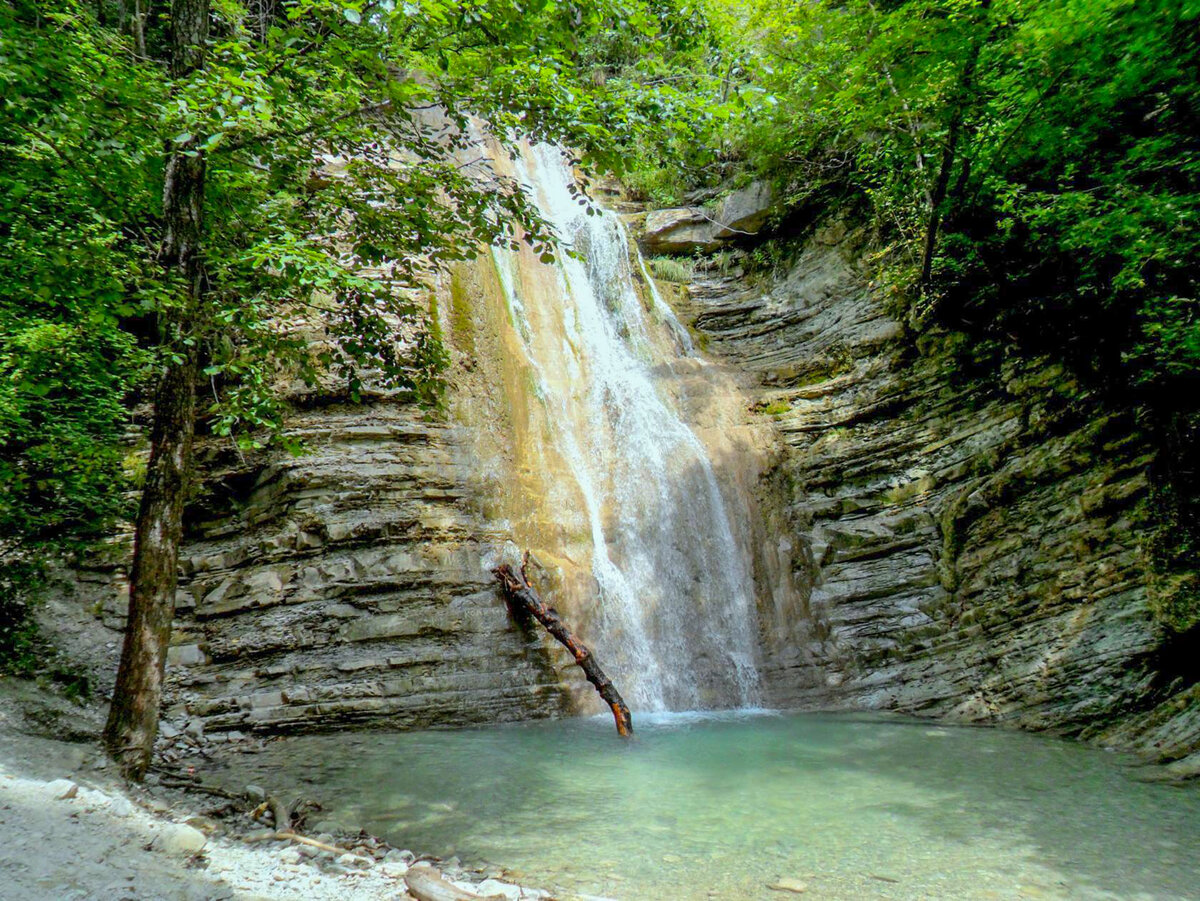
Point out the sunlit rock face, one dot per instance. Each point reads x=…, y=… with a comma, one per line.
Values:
x=966, y=524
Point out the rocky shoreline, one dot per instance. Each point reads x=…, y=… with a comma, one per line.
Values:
x=74, y=832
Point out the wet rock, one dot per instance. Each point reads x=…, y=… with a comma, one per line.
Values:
x=255, y=793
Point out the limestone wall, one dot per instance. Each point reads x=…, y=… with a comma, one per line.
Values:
x=964, y=524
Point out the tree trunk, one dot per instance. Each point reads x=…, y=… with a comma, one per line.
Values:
x=133, y=718
x=521, y=595
x=937, y=203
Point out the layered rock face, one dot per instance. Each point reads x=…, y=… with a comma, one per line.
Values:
x=965, y=526
x=349, y=584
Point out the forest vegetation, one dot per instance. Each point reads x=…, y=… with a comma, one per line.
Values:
x=170, y=229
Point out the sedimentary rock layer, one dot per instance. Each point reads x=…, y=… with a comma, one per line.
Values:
x=968, y=523
x=349, y=584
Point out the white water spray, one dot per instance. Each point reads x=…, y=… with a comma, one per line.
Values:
x=677, y=624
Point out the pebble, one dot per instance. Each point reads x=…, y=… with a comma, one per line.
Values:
x=195, y=728
x=62, y=789
x=355, y=860
x=496, y=887
x=120, y=807
x=327, y=827
x=180, y=838
x=255, y=793
x=393, y=868
x=289, y=856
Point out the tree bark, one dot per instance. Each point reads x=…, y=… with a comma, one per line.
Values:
x=937, y=202
x=133, y=717
x=522, y=596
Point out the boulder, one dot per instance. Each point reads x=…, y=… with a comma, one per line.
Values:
x=681, y=230
x=746, y=210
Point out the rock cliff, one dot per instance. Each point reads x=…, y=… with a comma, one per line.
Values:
x=966, y=526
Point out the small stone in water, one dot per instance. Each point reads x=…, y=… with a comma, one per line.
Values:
x=795, y=886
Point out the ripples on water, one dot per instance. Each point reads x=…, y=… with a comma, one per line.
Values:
x=717, y=806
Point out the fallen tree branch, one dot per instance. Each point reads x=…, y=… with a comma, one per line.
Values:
x=521, y=595
x=287, y=836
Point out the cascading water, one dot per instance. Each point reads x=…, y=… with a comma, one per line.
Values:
x=676, y=624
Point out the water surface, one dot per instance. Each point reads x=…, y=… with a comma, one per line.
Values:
x=717, y=806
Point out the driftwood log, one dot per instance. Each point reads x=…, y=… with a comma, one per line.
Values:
x=522, y=597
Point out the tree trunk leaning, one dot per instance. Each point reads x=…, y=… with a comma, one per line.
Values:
x=521, y=595
x=133, y=717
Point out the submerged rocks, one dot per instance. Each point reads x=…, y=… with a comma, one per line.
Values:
x=791, y=886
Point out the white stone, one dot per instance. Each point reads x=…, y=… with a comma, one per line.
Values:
x=180, y=839
x=120, y=807
x=495, y=887
x=62, y=789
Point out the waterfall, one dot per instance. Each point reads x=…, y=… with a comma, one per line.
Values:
x=676, y=624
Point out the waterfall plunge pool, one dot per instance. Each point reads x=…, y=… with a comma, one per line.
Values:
x=716, y=806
